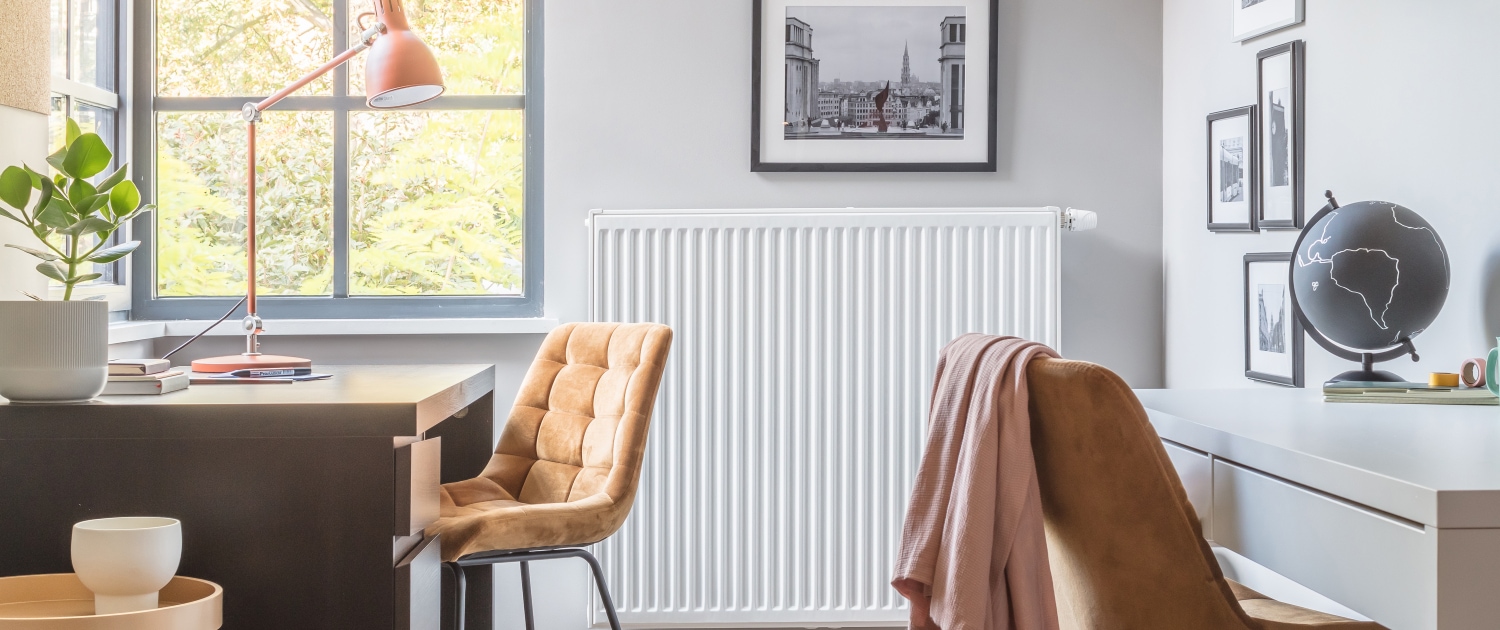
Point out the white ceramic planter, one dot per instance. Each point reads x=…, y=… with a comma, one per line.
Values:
x=53, y=351
x=126, y=561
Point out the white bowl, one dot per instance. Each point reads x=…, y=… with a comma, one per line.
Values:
x=126, y=561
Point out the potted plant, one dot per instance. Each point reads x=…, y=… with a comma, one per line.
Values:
x=55, y=351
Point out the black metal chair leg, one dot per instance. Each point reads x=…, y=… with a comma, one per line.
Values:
x=609, y=604
x=526, y=595
x=460, y=588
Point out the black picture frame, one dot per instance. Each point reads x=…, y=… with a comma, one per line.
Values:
x=1251, y=186
x=990, y=165
x=1288, y=316
x=1296, y=140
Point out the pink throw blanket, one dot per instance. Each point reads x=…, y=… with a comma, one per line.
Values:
x=973, y=551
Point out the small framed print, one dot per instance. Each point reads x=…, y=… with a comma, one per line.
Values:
x=1253, y=18
x=1273, y=333
x=1280, y=77
x=1232, y=153
x=874, y=86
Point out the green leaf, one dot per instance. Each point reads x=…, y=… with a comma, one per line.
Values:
x=96, y=202
x=36, y=178
x=114, y=253
x=55, y=216
x=124, y=199
x=15, y=187
x=36, y=252
x=52, y=270
x=114, y=178
x=145, y=208
x=87, y=157
x=6, y=213
x=85, y=278
x=80, y=194
x=88, y=226
x=58, y=159
x=44, y=200
x=73, y=132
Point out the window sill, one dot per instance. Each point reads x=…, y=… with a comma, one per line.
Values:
x=124, y=332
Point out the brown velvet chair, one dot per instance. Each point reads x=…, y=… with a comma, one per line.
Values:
x=565, y=472
x=1126, y=547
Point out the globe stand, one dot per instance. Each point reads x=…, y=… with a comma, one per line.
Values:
x=1367, y=360
x=1367, y=372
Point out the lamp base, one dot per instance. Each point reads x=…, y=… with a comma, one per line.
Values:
x=219, y=365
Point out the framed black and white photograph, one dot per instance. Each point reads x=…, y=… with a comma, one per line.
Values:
x=1253, y=18
x=1232, y=154
x=1280, y=77
x=874, y=85
x=1273, y=334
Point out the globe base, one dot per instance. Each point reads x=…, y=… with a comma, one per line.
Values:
x=1369, y=376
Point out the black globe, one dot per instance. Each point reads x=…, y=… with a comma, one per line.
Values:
x=1369, y=274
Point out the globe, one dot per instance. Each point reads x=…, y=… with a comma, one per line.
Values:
x=1369, y=275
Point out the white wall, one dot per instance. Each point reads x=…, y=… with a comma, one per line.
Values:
x=647, y=106
x=1400, y=108
x=25, y=134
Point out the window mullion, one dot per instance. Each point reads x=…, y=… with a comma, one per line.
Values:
x=341, y=154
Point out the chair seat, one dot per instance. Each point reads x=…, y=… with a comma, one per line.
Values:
x=1274, y=615
x=493, y=521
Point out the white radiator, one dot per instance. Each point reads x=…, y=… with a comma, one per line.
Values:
x=791, y=417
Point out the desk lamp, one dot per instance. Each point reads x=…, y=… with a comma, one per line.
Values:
x=399, y=72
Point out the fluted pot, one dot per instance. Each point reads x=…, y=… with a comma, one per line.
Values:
x=53, y=351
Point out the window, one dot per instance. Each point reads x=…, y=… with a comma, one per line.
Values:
x=421, y=212
x=85, y=85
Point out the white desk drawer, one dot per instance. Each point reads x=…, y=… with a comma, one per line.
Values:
x=1197, y=474
x=1380, y=565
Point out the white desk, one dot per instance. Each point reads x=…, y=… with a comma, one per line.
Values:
x=1391, y=510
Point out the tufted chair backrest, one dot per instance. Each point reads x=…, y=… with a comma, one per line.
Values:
x=578, y=428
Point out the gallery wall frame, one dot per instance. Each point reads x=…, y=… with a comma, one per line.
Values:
x=1273, y=332
x=1233, y=170
x=1250, y=19
x=1281, y=83
x=926, y=130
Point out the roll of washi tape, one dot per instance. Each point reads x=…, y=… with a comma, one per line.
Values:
x=1442, y=379
x=1472, y=373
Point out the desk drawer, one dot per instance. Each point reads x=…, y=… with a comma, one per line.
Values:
x=1378, y=564
x=1196, y=471
x=419, y=467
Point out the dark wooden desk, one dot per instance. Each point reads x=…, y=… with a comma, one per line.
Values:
x=304, y=501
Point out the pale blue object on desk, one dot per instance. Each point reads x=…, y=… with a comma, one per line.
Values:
x=1390, y=510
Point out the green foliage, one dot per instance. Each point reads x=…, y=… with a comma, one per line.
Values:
x=71, y=217
x=435, y=198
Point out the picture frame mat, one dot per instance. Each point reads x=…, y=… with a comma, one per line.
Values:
x=973, y=148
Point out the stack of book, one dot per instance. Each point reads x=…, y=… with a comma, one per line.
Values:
x=1405, y=394
x=143, y=376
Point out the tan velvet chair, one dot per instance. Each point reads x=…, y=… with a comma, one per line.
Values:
x=565, y=472
x=1126, y=547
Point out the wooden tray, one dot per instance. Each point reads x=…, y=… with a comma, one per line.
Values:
x=60, y=602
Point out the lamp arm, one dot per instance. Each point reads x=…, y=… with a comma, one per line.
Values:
x=365, y=40
x=251, y=112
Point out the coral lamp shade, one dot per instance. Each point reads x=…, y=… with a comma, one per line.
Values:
x=400, y=70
